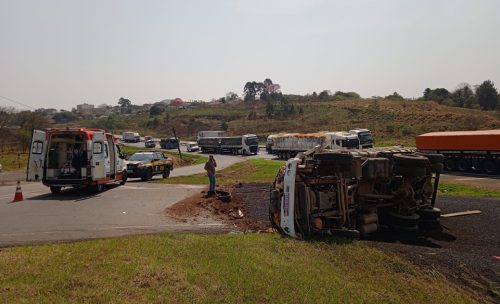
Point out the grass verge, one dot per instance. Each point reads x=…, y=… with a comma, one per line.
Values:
x=255, y=170
x=12, y=160
x=461, y=190
x=230, y=268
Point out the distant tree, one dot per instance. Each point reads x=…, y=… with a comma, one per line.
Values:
x=222, y=100
x=64, y=116
x=427, y=94
x=487, y=95
x=439, y=94
x=125, y=105
x=324, y=94
x=224, y=126
x=339, y=95
x=394, y=96
x=301, y=110
x=463, y=96
x=6, y=116
x=269, y=109
x=231, y=96
x=156, y=110
x=314, y=95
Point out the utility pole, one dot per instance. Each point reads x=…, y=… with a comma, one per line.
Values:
x=178, y=143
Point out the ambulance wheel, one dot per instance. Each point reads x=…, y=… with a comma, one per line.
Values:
x=55, y=189
x=124, y=178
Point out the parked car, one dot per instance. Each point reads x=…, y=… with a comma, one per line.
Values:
x=148, y=164
x=149, y=144
x=192, y=147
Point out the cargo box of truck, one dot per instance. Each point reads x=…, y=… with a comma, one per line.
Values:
x=465, y=151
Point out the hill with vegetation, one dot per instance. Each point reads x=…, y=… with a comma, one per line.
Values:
x=391, y=121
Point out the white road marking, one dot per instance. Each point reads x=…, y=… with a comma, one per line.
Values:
x=470, y=178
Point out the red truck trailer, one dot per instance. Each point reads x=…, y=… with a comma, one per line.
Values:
x=465, y=151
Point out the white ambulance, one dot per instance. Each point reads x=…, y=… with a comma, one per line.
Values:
x=75, y=157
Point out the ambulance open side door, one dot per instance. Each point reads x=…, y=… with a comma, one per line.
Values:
x=98, y=156
x=38, y=153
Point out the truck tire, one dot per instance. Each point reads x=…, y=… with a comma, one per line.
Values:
x=411, y=160
x=434, y=158
x=166, y=172
x=489, y=167
x=395, y=219
x=437, y=167
x=450, y=164
x=427, y=214
x=409, y=171
x=333, y=157
x=55, y=189
x=463, y=165
x=430, y=224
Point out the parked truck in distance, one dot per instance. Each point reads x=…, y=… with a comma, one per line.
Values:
x=245, y=144
x=131, y=137
x=169, y=143
x=464, y=151
x=365, y=137
x=288, y=145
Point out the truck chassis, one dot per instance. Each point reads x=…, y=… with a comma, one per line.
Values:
x=353, y=193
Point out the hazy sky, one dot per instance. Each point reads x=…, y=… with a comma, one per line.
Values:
x=62, y=53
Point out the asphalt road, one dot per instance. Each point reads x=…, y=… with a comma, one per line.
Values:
x=134, y=208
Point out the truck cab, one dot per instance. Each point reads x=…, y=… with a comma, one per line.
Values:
x=74, y=157
x=338, y=140
x=365, y=137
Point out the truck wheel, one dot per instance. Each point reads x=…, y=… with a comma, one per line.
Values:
x=450, y=164
x=437, y=167
x=411, y=160
x=463, y=165
x=434, y=158
x=124, y=178
x=430, y=224
x=409, y=171
x=55, y=189
x=489, y=167
x=166, y=172
x=427, y=214
x=395, y=219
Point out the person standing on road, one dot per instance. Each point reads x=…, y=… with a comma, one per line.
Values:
x=210, y=166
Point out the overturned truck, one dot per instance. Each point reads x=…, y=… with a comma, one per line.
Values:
x=355, y=192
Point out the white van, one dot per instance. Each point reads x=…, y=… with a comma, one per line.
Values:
x=74, y=157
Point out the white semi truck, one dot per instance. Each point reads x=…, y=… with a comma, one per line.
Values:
x=245, y=144
x=365, y=137
x=288, y=145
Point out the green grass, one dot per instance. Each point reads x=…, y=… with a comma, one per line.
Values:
x=229, y=268
x=461, y=190
x=255, y=170
x=12, y=160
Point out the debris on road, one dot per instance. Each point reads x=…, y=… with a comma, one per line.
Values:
x=225, y=206
x=468, y=212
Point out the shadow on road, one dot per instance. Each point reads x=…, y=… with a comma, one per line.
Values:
x=423, y=238
x=72, y=194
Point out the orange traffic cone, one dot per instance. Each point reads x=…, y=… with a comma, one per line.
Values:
x=19, y=194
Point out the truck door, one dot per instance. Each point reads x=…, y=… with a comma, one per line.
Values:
x=98, y=156
x=37, y=157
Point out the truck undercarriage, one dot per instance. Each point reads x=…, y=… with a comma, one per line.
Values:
x=353, y=193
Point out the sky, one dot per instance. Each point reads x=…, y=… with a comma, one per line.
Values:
x=60, y=53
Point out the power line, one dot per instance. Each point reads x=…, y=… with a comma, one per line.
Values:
x=17, y=102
